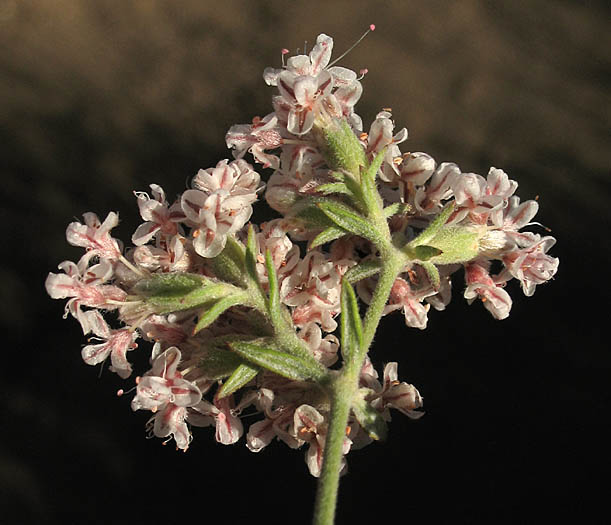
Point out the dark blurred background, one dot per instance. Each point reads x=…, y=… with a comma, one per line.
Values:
x=100, y=98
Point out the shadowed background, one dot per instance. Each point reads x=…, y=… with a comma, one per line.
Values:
x=101, y=98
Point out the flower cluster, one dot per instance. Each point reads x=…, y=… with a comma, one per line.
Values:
x=192, y=283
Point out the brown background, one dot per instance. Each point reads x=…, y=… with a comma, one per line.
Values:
x=99, y=98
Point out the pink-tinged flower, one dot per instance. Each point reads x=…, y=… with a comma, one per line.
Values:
x=309, y=426
x=313, y=290
x=416, y=168
x=517, y=215
x=229, y=428
x=531, y=265
x=428, y=198
x=470, y=195
x=115, y=343
x=95, y=237
x=169, y=256
x=164, y=384
x=304, y=95
x=480, y=284
x=84, y=285
x=170, y=421
x=324, y=349
x=402, y=296
x=285, y=255
x=255, y=138
x=299, y=175
x=381, y=136
x=160, y=328
x=304, y=65
x=308, y=88
x=220, y=205
x=398, y=395
x=275, y=425
x=160, y=217
x=165, y=392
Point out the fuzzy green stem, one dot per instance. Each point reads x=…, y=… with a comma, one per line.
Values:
x=343, y=389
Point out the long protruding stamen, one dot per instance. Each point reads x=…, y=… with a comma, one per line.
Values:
x=372, y=27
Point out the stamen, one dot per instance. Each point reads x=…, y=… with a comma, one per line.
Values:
x=372, y=27
x=137, y=271
x=363, y=72
x=284, y=51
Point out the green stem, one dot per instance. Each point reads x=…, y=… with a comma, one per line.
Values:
x=343, y=389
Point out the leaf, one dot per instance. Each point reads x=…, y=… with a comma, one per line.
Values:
x=273, y=305
x=327, y=235
x=369, y=174
x=242, y=375
x=281, y=363
x=308, y=211
x=347, y=218
x=333, y=187
x=167, y=293
x=363, y=270
x=351, y=326
x=396, y=208
x=169, y=284
x=217, y=362
x=368, y=417
x=229, y=265
x=422, y=252
x=432, y=273
x=212, y=314
x=431, y=231
x=250, y=256
x=342, y=149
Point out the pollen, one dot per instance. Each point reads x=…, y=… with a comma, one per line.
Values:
x=196, y=233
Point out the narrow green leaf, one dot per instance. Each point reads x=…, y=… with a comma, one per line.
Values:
x=363, y=270
x=281, y=363
x=250, y=256
x=211, y=314
x=347, y=218
x=431, y=231
x=170, y=284
x=351, y=326
x=308, y=211
x=396, y=208
x=333, y=187
x=273, y=305
x=432, y=273
x=166, y=293
x=327, y=235
x=369, y=174
x=368, y=417
x=242, y=375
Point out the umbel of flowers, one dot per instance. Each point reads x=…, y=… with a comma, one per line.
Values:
x=242, y=316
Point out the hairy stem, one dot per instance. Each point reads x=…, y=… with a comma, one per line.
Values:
x=343, y=389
